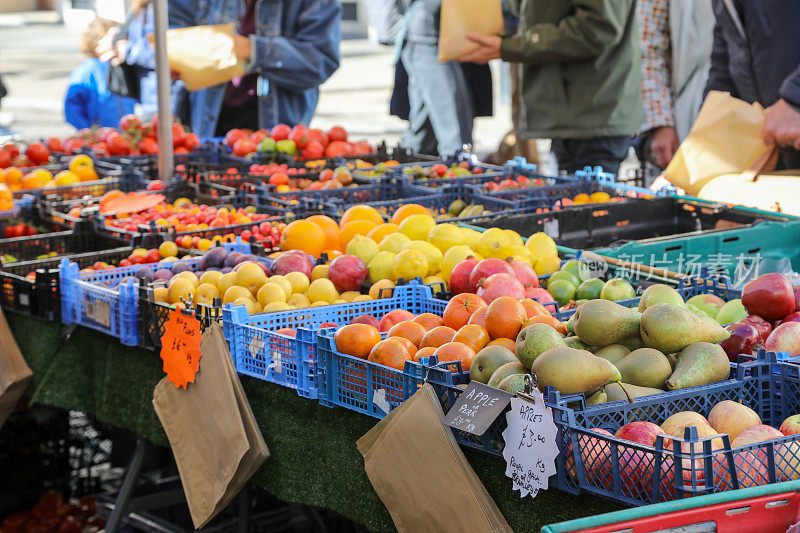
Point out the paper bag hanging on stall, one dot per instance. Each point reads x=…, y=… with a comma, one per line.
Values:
x=15, y=374
x=770, y=192
x=459, y=17
x=725, y=139
x=421, y=474
x=211, y=430
x=203, y=55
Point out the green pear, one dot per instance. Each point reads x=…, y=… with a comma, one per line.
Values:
x=514, y=383
x=598, y=397
x=617, y=289
x=590, y=289
x=731, y=312
x=612, y=352
x=573, y=371
x=673, y=359
x=575, y=342
x=535, y=340
x=644, y=367
x=615, y=393
x=659, y=294
x=632, y=343
x=487, y=361
x=508, y=369
x=707, y=303
x=602, y=322
x=571, y=324
x=670, y=328
x=698, y=364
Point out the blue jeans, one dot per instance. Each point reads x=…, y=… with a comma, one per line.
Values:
x=441, y=109
x=607, y=152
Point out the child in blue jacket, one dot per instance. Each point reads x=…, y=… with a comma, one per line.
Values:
x=88, y=101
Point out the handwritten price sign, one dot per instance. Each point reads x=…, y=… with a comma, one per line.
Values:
x=180, y=348
x=530, y=451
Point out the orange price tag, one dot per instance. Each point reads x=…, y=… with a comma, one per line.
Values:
x=180, y=348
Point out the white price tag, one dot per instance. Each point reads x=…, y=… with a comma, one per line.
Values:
x=379, y=399
x=24, y=300
x=98, y=311
x=530, y=451
x=255, y=346
x=277, y=362
x=551, y=228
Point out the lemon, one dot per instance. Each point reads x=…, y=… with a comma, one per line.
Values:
x=409, y=264
x=523, y=254
x=394, y=242
x=470, y=237
x=298, y=301
x=547, y=265
x=437, y=284
x=319, y=272
x=494, y=242
x=382, y=289
x=276, y=306
x=381, y=266
x=445, y=236
x=298, y=281
x=540, y=244
x=454, y=256
x=516, y=240
x=322, y=290
x=417, y=227
x=432, y=254
x=270, y=292
x=282, y=282
x=362, y=247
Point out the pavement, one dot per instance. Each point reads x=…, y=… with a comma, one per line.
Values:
x=37, y=54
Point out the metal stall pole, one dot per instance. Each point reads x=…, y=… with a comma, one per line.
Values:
x=165, y=152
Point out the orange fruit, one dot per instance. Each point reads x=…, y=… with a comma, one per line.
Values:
x=304, y=235
x=455, y=351
x=479, y=317
x=549, y=320
x=331, y=229
x=351, y=229
x=405, y=211
x=13, y=175
x=333, y=254
x=361, y=212
x=409, y=346
x=473, y=335
x=357, y=340
x=6, y=194
x=408, y=330
x=428, y=320
x=423, y=352
x=505, y=343
x=86, y=173
x=581, y=198
x=437, y=336
x=460, y=309
x=35, y=179
x=534, y=308
x=505, y=318
x=379, y=232
x=389, y=352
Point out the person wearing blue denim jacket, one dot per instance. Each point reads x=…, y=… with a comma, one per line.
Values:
x=293, y=48
x=140, y=54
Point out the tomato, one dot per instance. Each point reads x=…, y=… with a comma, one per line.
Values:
x=326, y=175
x=30, y=230
x=313, y=150
x=337, y=133
x=243, y=147
x=72, y=145
x=102, y=133
x=178, y=133
x=318, y=135
x=258, y=136
x=5, y=159
x=130, y=124
x=191, y=141
x=299, y=135
x=362, y=148
x=245, y=235
x=440, y=169
x=148, y=146
x=279, y=178
x=37, y=153
x=152, y=256
x=17, y=230
x=180, y=150
x=125, y=263
x=54, y=144
x=280, y=132
x=336, y=149
x=234, y=135
x=100, y=148
x=117, y=144
x=12, y=149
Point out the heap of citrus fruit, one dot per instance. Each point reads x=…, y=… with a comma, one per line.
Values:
x=80, y=169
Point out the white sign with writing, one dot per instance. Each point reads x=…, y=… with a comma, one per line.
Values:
x=530, y=444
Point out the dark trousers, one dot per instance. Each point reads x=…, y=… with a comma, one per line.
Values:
x=607, y=152
x=788, y=159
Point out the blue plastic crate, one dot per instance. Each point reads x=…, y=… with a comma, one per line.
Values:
x=293, y=362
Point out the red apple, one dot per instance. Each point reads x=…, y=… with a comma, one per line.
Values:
x=675, y=424
x=366, y=319
x=394, y=317
x=641, y=432
x=794, y=317
x=732, y=418
x=751, y=471
x=797, y=299
x=770, y=296
x=743, y=340
x=764, y=328
x=636, y=468
x=785, y=338
x=596, y=457
x=791, y=426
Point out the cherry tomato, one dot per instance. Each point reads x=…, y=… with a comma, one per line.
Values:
x=280, y=132
x=130, y=124
x=37, y=153
x=191, y=141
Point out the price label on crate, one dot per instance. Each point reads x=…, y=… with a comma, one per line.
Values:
x=98, y=311
x=530, y=444
x=476, y=408
x=180, y=348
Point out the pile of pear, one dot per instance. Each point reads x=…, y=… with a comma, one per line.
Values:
x=613, y=352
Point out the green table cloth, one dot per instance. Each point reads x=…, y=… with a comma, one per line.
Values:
x=313, y=461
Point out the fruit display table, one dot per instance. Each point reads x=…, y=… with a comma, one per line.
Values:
x=313, y=461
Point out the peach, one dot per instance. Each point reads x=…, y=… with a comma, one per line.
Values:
x=755, y=434
x=674, y=424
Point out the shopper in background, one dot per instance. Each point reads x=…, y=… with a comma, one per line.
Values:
x=580, y=77
x=444, y=98
x=756, y=58
x=288, y=49
x=88, y=101
x=676, y=41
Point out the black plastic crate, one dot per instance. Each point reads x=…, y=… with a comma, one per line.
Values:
x=153, y=315
x=80, y=238
x=609, y=223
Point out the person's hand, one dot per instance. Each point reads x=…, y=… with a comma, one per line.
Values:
x=782, y=126
x=663, y=145
x=109, y=51
x=241, y=46
x=488, y=49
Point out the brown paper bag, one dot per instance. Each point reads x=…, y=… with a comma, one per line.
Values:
x=459, y=17
x=15, y=374
x=769, y=192
x=421, y=475
x=725, y=139
x=203, y=55
x=211, y=429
